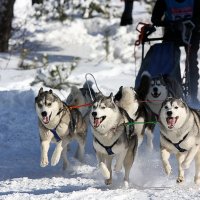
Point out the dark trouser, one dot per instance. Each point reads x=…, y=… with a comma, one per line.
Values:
x=126, y=18
x=193, y=75
x=192, y=59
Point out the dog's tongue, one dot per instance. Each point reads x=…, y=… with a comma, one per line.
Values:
x=97, y=122
x=45, y=120
x=171, y=121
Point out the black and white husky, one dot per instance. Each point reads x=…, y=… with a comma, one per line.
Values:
x=144, y=121
x=154, y=90
x=58, y=124
x=180, y=135
x=81, y=97
x=113, y=137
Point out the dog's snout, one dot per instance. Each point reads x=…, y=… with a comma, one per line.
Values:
x=44, y=114
x=94, y=114
x=169, y=113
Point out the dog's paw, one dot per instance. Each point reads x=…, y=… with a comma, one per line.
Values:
x=104, y=170
x=168, y=169
x=108, y=181
x=185, y=165
x=126, y=184
x=55, y=158
x=44, y=162
x=180, y=179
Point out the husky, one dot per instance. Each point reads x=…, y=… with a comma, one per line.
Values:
x=154, y=90
x=113, y=138
x=127, y=98
x=180, y=135
x=58, y=124
x=83, y=98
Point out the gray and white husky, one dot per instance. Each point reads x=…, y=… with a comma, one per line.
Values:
x=128, y=99
x=180, y=135
x=59, y=124
x=81, y=97
x=154, y=90
x=113, y=138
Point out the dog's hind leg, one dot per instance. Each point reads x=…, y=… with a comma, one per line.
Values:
x=80, y=149
x=129, y=159
x=64, y=156
x=149, y=135
x=180, y=158
x=197, y=168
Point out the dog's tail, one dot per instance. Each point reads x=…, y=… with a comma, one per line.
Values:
x=143, y=88
x=87, y=89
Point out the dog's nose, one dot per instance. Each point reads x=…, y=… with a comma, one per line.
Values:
x=44, y=114
x=155, y=89
x=169, y=113
x=94, y=114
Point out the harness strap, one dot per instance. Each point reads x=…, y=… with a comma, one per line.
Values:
x=177, y=145
x=58, y=139
x=108, y=148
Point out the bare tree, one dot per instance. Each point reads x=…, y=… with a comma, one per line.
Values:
x=6, y=16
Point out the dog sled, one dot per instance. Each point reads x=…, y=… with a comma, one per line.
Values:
x=162, y=58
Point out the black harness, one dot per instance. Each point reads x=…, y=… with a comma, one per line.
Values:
x=177, y=145
x=108, y=148
x=71, y=124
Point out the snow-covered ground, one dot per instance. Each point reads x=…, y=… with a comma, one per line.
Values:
x=21, y=177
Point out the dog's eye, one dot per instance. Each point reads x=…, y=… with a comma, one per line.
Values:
x=166, y=107
x=176, y=107
x=39, y=105
x=103, y=107
x=49, y=104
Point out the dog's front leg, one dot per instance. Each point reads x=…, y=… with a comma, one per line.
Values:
x=180, y=158
x=119, y=160
x=102, y=166
x=109, y=167
x=44, y=153
x=165, y=160
x=190, y=156
x=197, y=168
x=57, y=152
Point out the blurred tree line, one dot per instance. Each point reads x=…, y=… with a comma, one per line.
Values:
x=6, y=13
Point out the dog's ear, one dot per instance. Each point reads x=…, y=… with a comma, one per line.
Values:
x=40, y=91
x=111, y=95
x=144, y=86
x=50, y=91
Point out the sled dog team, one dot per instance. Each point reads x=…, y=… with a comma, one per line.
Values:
x=119, y=123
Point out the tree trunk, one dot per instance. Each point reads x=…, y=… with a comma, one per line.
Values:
x=6, y=16
x=37, y=1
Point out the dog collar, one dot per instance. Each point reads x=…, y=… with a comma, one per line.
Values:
x=177, y=145
x=108, y=148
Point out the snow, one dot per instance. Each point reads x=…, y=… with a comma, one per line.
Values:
x=21, y=177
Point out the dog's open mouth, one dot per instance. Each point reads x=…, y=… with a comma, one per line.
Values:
x=46, y=119
x=155, y=94
x=98, y=121
x=171, y=121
